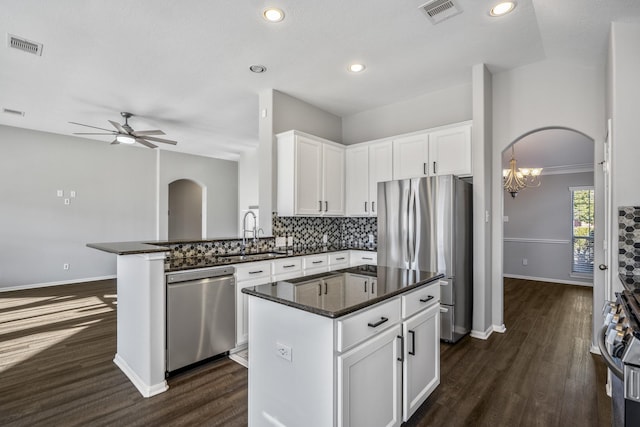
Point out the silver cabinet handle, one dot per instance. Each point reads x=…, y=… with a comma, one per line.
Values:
x=424, y=168
x=367, y=258
x=372, y=290
x=256, y=272
x=401, y=358
x=434, y=168
x=325, y=288
x=413, y=343
x=365, y=206
x=427, y=299
x=319, y=289
x=339, y=259
x=316, y=262
x=326, y=206
x=365, y=286
x=373, y=206
x=288, y=266
x=319, y=205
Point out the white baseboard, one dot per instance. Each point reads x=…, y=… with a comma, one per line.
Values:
x=483, y=335
x=59, y=283
x=145, y=390
x=546, y=279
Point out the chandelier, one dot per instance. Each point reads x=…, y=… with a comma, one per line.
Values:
x=517, y=179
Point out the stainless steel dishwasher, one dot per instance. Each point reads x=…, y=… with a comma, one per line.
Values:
x=201, y=315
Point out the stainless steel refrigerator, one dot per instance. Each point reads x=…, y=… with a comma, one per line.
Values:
x=426, y=224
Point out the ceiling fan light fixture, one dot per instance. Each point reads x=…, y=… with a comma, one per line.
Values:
x=502, y=8
x=357, y=68
x=125, y=139
x=273, y=14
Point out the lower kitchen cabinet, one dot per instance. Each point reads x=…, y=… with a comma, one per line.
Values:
x=371, y=373
x=421, y=368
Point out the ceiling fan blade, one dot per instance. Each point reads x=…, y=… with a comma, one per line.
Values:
x=90, y=133
x=166, y=141
x=95, y=127
x=147, y=132
x=115, y=141
x=119, y=127
x=145, y=143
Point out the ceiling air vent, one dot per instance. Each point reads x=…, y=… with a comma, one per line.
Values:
x=13, y=112
x=439, y=10
x=24, y=45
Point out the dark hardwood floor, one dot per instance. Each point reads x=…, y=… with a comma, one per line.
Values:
x=57, y=346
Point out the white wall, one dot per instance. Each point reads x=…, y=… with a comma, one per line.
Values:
x=425, y=111
x=116, y=199
x=546, y=93
x=220, y=181
x=539, y=230
x=624, y=93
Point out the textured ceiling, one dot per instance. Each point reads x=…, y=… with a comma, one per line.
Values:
x=182, y=66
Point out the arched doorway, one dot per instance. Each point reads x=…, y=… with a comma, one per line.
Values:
x=563, y=152
x=185, y=210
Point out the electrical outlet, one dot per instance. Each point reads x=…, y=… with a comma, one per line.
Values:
x=370, y=238
x=290, y=241
x=325, y=238
x=65, y=266
x=525, y=261
x=59, y=193
x=72, y=193
x=283, y=351
x=281, y=241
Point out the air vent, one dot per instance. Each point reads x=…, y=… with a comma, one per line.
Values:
x=13, y=112
x=24, y=45
x=439, y=10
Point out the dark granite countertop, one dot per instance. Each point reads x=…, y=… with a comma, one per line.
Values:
x=390, y=282
x=128, y=248
x=630, y=282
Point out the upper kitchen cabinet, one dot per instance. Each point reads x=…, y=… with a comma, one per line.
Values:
x=311, y=175
x=438, y=152
x=367, y=165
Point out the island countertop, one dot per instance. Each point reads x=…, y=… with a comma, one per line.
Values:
x=390, y=282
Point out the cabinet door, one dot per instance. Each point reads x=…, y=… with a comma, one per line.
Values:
x=333, y=293
x=411, y=156
x=370, y=381
x=450, y=151
x=357, y=182
x=421, y=369
x=242, y=302
x=333, y=180
x=308, y=179
x=380, y=170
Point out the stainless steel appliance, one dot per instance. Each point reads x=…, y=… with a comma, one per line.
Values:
x=201, y=315
x=619, y=343
x=426, y=224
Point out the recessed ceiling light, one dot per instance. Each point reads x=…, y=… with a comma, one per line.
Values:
x=258, y=68
x=273, y=14
x=502, y=8
x=356, y=68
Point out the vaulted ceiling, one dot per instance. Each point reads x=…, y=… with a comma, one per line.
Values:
x=183, y=66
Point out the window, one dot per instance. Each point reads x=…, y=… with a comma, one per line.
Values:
x=582, y=230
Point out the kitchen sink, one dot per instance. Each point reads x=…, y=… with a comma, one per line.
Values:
x=258, y=256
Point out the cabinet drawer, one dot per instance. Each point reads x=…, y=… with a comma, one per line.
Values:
x=253, y=270
x=363, y=257
x=287, y=266
x=420, y=299
x=362, y=325
x=338, y=260
x=315, y=261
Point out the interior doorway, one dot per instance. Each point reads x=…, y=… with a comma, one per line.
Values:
x=185, y=210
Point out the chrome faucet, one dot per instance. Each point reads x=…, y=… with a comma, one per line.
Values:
x=244, y=229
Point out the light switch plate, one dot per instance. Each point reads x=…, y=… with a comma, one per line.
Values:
x=59, y=193
x=290, y=241
x=283, y=351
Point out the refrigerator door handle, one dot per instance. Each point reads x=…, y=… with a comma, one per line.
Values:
x=411, y=237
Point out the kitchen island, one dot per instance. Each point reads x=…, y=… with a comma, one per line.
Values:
x=357, y=346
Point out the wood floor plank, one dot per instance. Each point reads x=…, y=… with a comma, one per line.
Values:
x=57, y=346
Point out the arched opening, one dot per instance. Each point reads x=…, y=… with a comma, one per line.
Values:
x=547, y=235
x=185, y=210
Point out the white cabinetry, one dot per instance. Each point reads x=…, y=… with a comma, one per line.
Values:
x=249, y=274
x=369, y=383
x=363, y=257
x=367, y=165
x=311, y=173
x=441, y=151
x=338, y=260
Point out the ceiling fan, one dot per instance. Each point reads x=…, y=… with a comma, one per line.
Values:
x=126, y=135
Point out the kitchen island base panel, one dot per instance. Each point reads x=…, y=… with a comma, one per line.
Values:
x=141, y=321
x=290, y=392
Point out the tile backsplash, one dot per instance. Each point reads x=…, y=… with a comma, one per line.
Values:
x=629, y=240
x=340, y=231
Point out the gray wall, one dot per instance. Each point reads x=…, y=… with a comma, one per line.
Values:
x=115, y=187
x=292, y=113
x=185, y=210
x=219, y=178
x=425, y=111
x=539, y=229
